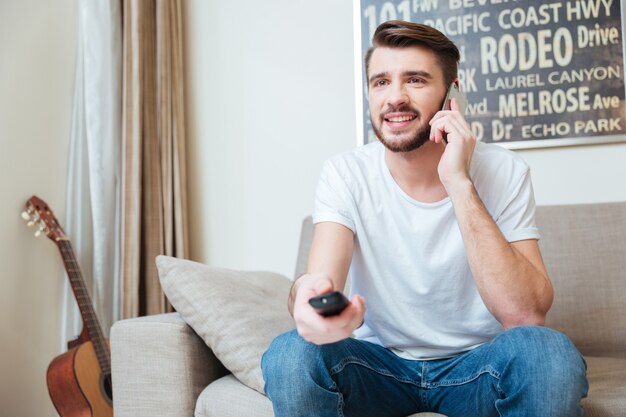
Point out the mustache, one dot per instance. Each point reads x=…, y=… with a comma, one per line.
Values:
x=401, y=109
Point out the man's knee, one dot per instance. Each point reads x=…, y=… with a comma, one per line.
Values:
x=285, y=349
x=296, y=371
x=545, y=356
x=289, y=359
x=540, y=345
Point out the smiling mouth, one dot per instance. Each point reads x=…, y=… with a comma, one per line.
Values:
x=397, y=119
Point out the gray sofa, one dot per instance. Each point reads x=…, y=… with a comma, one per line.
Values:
x=162, y=368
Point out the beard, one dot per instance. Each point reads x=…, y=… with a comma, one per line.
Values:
x=417, y=138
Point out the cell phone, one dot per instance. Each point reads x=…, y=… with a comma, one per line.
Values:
x=453, y=92
x=329, y=304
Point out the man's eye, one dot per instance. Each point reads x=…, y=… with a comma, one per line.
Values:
x=416, y=80
x=379, y=83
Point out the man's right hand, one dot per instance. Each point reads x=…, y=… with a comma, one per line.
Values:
x=319, y=329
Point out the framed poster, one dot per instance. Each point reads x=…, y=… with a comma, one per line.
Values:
x=536, y=74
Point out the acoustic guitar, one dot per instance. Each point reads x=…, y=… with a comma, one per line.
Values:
x=79, y=380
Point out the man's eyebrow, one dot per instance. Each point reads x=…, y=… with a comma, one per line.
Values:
x=416, y=73
x=424, y=74
x=379, y=75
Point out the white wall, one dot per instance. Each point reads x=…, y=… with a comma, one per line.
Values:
x=578, y=174
x=37, y=42
x=270, y=96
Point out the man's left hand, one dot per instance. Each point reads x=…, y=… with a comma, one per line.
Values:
x=455, y=162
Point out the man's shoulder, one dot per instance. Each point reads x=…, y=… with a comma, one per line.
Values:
x=490, y=159
x=497, y=173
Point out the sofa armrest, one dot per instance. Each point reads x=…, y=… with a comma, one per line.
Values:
x=159, y=366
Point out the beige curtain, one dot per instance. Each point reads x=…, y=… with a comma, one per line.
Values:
x=154, y=203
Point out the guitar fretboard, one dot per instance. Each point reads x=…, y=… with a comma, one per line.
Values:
x=90, y=320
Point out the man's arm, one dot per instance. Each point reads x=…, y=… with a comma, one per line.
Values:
x=329, y=261
x=511, y=277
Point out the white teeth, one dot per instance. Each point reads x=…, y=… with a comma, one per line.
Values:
x=400, y=119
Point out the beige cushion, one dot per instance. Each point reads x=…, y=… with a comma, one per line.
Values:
x=227, y=397
x=236, y=313
x=607, y=388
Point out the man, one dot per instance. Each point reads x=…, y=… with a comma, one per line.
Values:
x=437, y=234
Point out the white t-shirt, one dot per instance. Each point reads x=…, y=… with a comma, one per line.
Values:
x=409, y=260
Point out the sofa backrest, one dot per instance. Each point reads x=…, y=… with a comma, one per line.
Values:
x=306, y=238
x=584, y=249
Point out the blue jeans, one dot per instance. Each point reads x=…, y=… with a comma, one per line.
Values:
x=525, y=371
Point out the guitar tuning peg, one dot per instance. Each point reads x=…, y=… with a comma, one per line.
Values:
x=33, y=220
x=28, y=213
x=42, y=229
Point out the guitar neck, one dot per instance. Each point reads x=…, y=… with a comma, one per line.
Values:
x=87, y=312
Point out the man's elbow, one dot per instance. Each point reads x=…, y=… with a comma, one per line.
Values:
x=534, y=318
x=533, y=315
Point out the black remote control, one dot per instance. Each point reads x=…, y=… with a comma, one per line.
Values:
x=329, y=304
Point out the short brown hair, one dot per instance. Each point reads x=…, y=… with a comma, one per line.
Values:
x=401, y=34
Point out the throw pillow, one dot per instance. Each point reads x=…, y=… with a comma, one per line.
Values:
x=236, y=313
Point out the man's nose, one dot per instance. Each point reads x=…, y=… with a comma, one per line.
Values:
x=397, y=96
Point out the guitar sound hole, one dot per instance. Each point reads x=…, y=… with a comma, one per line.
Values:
x=107, y=387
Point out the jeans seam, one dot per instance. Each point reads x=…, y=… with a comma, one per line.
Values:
x=355, y=361
x=340, y=402
x=461, y=381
